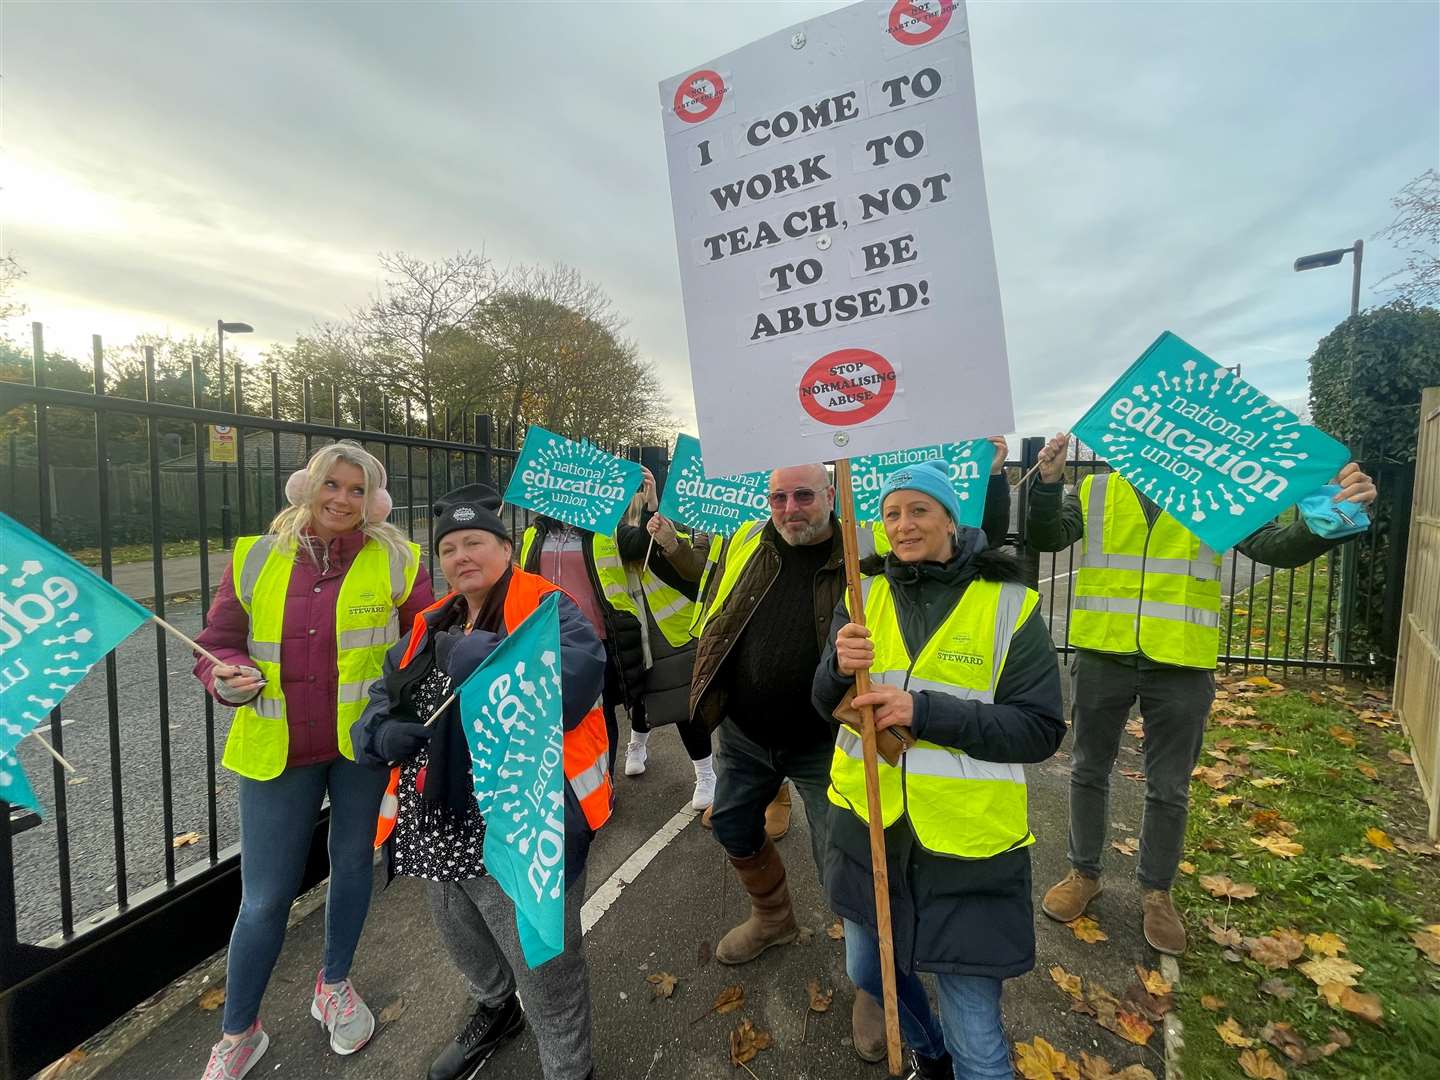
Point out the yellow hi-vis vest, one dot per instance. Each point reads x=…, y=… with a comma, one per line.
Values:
x=672, y=610
x=605, y=553
x=958, y=805
x=367, y=623
x=738, y=551
x=712, y=560
x=1152, y=590
x=871, y=539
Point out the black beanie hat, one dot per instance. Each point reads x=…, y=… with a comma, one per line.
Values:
x=473, y=506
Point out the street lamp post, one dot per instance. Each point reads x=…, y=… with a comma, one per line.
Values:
x=1331, y=258
x=1347, y=553
x=221, y=329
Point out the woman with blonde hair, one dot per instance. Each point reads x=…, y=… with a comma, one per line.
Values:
x=302, y=619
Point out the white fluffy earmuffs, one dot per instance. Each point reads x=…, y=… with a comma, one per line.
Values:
x=297, y=490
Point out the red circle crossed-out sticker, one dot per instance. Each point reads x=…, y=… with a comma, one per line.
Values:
x=915, y=22
x=699, y=95
x=847, y=386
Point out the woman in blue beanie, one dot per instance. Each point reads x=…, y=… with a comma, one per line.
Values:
x=962, y=667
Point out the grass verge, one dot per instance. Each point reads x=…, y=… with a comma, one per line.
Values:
x=1318, y=769
x=1272, y=615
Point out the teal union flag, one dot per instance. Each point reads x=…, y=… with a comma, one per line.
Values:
x=512, y=714
x=967, y=462
x=574, y=482
x=1205, y=445
x=718, y=504
x=57, y=621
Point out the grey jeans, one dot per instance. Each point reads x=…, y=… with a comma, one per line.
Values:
x=476, y=921
x=1174, y=705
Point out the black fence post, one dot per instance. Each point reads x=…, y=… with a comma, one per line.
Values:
x=1030, y=448
x=484, y=438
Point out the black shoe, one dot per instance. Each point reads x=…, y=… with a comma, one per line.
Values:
x=926, y=1068
x=487, y=1028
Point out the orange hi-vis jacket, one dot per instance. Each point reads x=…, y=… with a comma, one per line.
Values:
x=586, y=745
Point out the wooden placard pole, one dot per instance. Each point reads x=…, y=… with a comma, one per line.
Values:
x=845, y=497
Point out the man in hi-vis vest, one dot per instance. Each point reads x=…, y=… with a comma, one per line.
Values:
x=1145, y=623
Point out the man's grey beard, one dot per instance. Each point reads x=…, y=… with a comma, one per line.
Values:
x=802, y=535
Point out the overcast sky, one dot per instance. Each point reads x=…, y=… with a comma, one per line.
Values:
x=1150, y=166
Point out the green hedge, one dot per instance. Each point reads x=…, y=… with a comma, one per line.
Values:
x=1366, y=378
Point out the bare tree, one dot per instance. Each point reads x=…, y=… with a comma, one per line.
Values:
x=393, y=339
x=1416, y=229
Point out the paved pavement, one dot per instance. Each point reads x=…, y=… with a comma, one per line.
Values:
x=668, y=919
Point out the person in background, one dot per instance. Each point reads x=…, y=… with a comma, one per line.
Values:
x=439, y=832
x=760, y=640
x=665, y=586
x=591, y=568
x=302, y=619
x=1145, y=623
x=959, y=656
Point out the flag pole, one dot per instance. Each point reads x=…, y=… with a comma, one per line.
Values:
x=1028, y=473
x=879, y=870
x=51, y=750
x=442, y=707
x=189, y=641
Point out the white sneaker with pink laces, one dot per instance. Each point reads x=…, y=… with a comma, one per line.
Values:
x=232, y=1060
x=346, y=1018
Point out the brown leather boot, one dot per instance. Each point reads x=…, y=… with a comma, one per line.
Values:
x=771, y=921
x=777, y=814
x=1163, y=928
x=1070, y=896
x=867, y=1027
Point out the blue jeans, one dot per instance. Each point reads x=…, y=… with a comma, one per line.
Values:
x=748, y=776
x=969, y=1026
x=277, y=822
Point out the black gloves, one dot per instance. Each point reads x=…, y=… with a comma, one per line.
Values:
x=399, y=740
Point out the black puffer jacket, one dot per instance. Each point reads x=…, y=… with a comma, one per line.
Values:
x=951, y=915
x=623, y=644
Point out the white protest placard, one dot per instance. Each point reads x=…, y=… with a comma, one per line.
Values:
x=835, y=252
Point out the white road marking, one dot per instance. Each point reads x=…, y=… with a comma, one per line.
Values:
x=1057, y=577
x=601, y=899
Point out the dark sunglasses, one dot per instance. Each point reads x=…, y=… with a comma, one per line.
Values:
x=802, y=497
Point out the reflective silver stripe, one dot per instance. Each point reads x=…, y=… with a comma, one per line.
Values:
x=964, y=693
x=1095, y=519
x=1197, y=568
x=271, y=708
x=1153, y=609
x=352, y=692
x=399, y=564
x=589, y=781
x=251, y=567
x=848, y=743
x=267, y=652
x=675, y=607
x=953, y=765
x=370, y=636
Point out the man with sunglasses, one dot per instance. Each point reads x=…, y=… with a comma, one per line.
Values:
x=760, y=641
